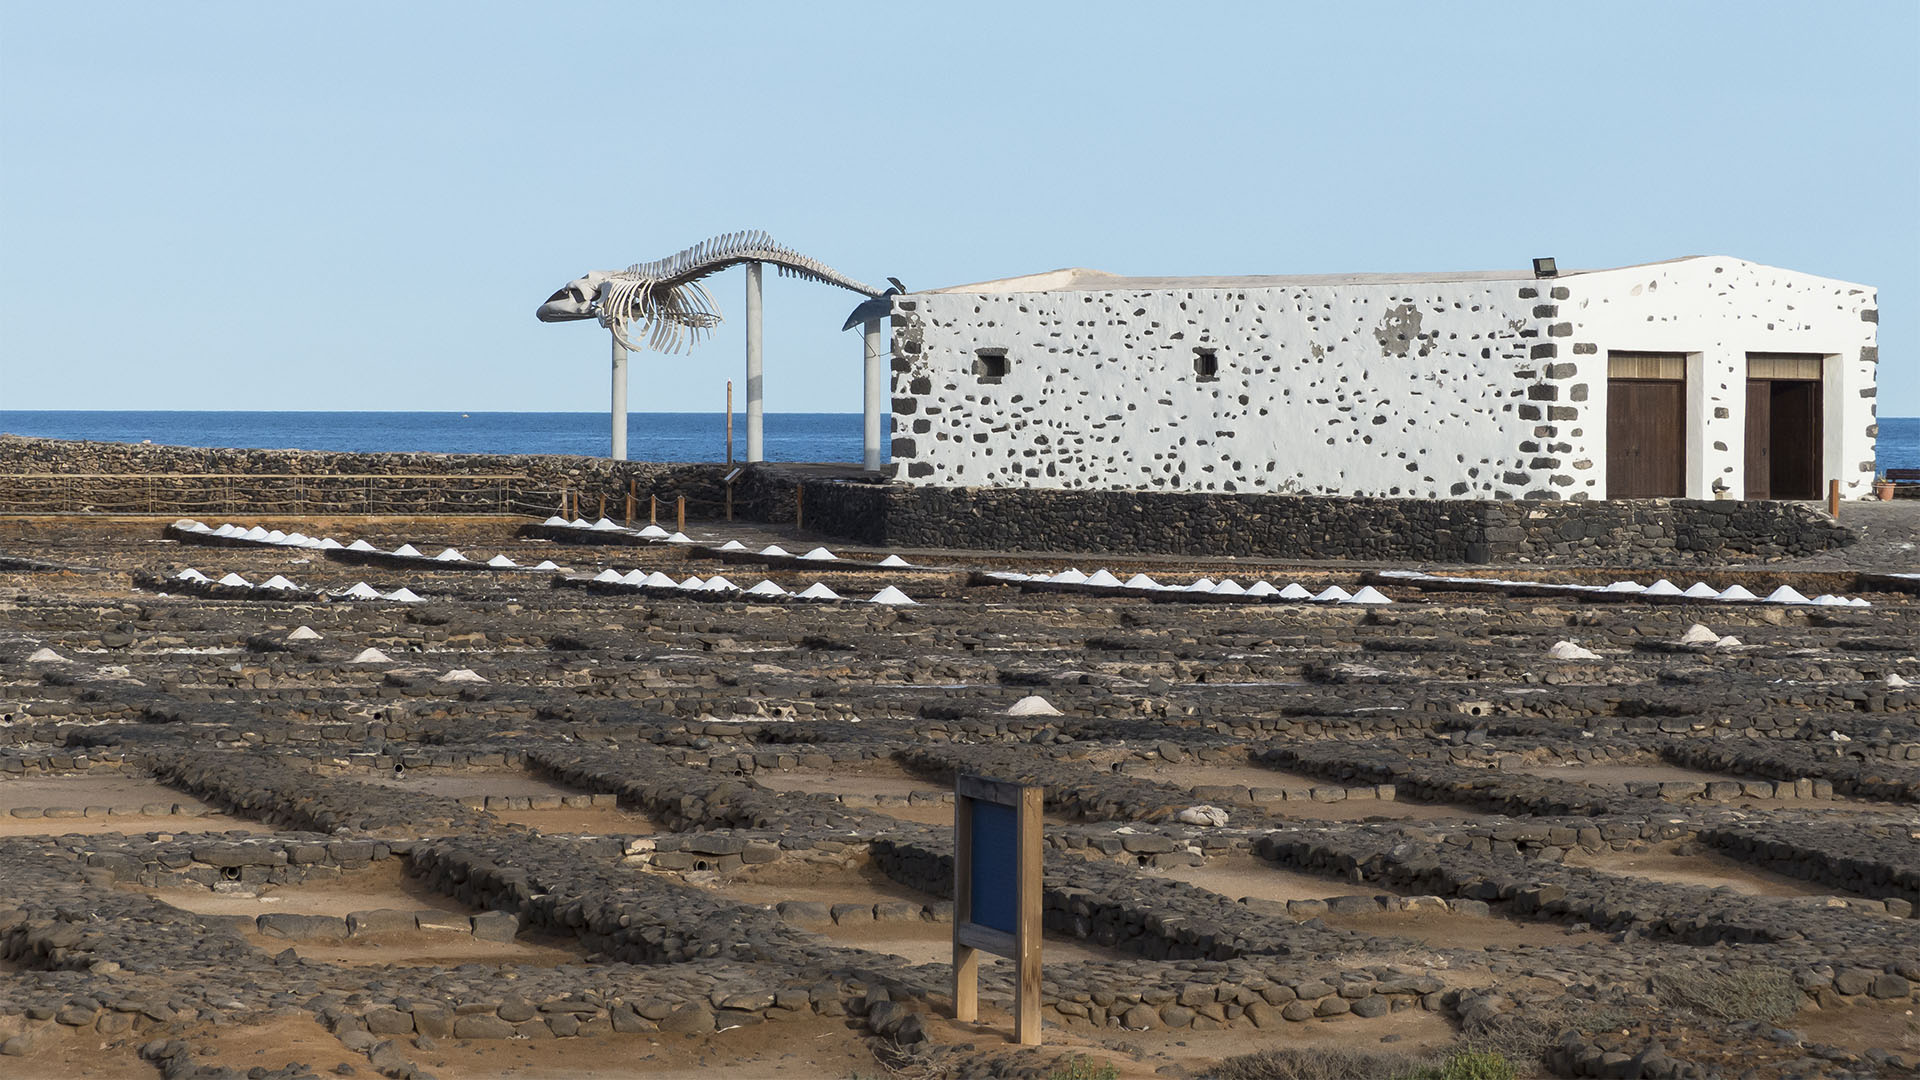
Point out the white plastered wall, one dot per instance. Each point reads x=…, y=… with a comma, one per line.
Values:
x=1429, y=390
x=1717, y=310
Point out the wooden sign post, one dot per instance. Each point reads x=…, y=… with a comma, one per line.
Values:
x=996, y=894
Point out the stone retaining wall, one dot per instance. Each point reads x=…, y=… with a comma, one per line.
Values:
x=1646, y=532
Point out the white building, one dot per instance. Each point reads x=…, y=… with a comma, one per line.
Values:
x=1685, y=378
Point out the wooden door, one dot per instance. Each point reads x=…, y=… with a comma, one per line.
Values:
x=1759, y=439
x=1646, y=438
x=1793, y=421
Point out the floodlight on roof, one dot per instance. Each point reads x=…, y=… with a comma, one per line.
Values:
x=1544, y=268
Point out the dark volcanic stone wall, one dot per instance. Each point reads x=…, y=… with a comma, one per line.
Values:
x=1319, y=527
x=65, y=476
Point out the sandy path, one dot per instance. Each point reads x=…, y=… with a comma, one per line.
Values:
x=1707, y=869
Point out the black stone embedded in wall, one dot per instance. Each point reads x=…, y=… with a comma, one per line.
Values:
x=1624, y=533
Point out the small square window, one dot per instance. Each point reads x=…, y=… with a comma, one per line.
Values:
x=990, y=364
x=1206, y=364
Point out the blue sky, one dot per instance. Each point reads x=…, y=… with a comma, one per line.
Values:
x=358, y=206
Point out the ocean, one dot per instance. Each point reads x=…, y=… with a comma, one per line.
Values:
x=650, y=436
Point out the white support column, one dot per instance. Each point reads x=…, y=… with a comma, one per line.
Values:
x=754, y=448
x=619, y=400
x=870, y=437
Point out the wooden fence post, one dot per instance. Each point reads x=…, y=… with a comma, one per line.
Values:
x=653, y=509
x=680, y=514
x=1833, y=499
x=630, y=494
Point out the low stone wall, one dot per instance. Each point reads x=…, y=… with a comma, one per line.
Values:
x=1635, y=533
x=66, y=476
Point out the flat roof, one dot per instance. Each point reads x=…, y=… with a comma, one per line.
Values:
x=1081, y=279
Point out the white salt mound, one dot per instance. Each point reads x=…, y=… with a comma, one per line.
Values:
x=1202, y=815
x=818, y=591
x=461, y=674
x=303, y=633
x=555, y=520
x=653, y=532
x=894, y=560
x=1334, y=593
x=1032, y=705
x=275, y=537
x=767, y=588
x=607, y=575
x=546, y=564
x=278, y=582
x=1700, y=590
x=1070, y=576
x=1567, y=650
x=773, y=549
x=633, y=577
x=46, y=656
x=733, y=545
x=1229, y=587
x=1786, y=594
x=580, y=523
x=1295, y=591
x=189, y=574
x=891, y=596
x=298, y=539
x=232, y=579
x=371, y=656
x=1262, y=588
x=1829, y=600
x=1142, y=581
x=361, y=591
x=719, y=583
x=820, y=554
x=679, y=538
x=450, y=555
x=226, y=530
x=658, y=580
x=1895, y=682
x=327, y=543
x=1839, y=737
x=256, y=534
x=1204, y=584
x=1626, y=587
x=1728, y=642
x=1102, y=578
x=501, y=561
x=693, y=582
x=187, y=525
x=407, y=549
x=361, y=545
x=1368, y=595
x=604, y=525
x=1663, y=587
x=404, y=595
x=1737, y=592
x=1698, y=635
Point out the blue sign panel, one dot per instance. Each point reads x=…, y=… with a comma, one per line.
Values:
x=996, y=836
